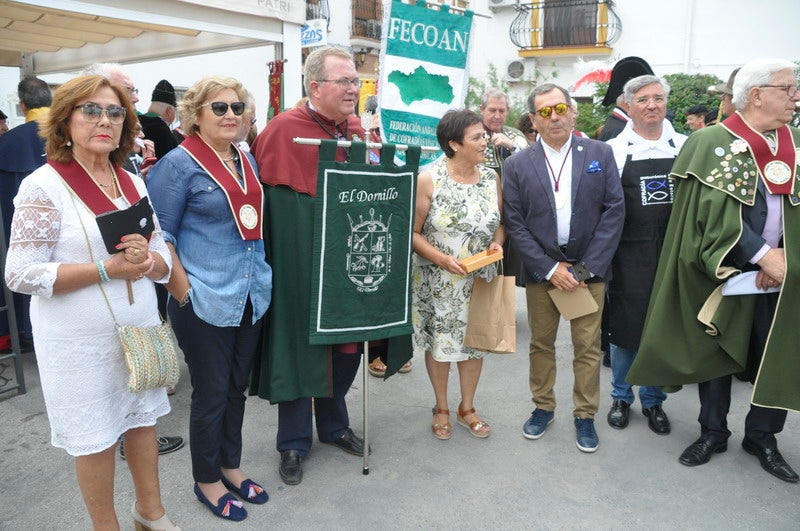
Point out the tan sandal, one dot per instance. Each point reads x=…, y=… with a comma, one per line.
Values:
x=377, y=368
x=442, y=431
x=406, y=368
x=478, y=428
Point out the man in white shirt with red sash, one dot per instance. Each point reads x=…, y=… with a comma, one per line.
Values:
x=737, y=209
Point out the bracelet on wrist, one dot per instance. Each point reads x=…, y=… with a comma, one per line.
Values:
x=185, y=299
x=101, y=270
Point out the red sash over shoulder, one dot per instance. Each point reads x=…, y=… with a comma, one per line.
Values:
x=245, y=200
x=777, y=168
x=87, y=190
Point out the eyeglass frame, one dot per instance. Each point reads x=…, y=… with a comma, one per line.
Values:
x=785, y=88
x=355, y=82
x=658, y=100
x=552, y=108
x=227, y=106
x=89, y=104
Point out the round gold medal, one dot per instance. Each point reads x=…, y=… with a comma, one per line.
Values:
x=777, y=172
x=248, y=216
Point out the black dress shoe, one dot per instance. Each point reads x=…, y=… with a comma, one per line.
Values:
x=657, y=419
x=618, y=415
x=700, y=451
x=350, y=443
x=291, y=469
x=771, y=460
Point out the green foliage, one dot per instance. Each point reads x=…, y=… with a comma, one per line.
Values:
x=593, y=115
x=688, y=90
x=516, y=105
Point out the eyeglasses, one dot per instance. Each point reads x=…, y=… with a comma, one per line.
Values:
x=560, y=108
x=220, y=108
x=791, y=90
x=343, y=83
x=132, y=90
x=92, y=113
x=658, y=100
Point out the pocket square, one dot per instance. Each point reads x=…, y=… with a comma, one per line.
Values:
x=594, y=167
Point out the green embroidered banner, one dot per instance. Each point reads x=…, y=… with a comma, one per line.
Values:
x=424, y=71
x=363, y=225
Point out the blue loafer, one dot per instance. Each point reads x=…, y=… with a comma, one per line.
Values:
x=249, y=491
x=227, y=507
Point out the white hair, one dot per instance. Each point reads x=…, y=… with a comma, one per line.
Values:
x=756, y=73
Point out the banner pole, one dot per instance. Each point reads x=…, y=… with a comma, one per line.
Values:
x=365, y=470
x=348, y=143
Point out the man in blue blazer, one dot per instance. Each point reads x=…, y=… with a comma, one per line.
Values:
x=563, y=207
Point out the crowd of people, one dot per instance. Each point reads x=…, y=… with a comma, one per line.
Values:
x=642, y=233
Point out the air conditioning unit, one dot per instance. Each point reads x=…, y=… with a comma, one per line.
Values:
x=515, y=70
x=494, y=5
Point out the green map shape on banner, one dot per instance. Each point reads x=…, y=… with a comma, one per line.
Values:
x=364, y=228
x=422, y=85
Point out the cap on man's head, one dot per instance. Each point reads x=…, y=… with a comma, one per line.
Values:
x=697, y=109
x=724, y=88
x=625, y=70
x=3, y=116
x=165, y=93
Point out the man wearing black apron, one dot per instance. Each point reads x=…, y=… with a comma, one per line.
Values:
x=644, y=151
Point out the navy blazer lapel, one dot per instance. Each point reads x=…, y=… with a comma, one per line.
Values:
x=578, y=163
x=539, y=165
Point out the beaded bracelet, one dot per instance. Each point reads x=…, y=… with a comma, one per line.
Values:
x=101, y=270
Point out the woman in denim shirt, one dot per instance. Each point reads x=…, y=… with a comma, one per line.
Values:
x=210, y=203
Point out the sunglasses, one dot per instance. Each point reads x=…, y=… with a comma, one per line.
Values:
x=220, y=108
x=560, y=108
x=92, y=113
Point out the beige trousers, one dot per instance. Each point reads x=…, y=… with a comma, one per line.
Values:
x=543, y=319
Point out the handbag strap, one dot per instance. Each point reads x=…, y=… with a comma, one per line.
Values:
x=91, y=255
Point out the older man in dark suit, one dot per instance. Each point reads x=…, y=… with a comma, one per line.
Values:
x=564, y=209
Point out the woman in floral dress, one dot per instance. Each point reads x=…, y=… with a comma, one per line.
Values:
x=457, y=215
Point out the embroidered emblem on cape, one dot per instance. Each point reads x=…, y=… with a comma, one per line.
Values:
x=369, y=256
x=656, y=190
x=738, y=146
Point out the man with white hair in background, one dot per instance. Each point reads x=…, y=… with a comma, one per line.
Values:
x=736, y=213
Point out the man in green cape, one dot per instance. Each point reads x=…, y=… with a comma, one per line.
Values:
x=737, y=210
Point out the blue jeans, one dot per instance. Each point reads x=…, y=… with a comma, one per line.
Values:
x=621, y=361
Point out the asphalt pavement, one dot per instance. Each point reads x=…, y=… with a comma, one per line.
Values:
x=633, y=481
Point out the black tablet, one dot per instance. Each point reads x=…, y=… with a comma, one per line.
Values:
x=136, y=219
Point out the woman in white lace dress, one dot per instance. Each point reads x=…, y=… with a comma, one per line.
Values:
x=57, y=254
x=457, y=215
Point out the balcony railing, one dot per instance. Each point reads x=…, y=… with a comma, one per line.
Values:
x=554, y=24
x=317, y=9
x=367, y=15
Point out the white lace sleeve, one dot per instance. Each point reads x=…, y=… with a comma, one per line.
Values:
x=34, y=234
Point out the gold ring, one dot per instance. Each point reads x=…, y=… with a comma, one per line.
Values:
x=136, y=252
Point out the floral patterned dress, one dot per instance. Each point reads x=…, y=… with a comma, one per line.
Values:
x=461, y=222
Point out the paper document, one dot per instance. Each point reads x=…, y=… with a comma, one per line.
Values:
x=745, y=284
x=572, y=304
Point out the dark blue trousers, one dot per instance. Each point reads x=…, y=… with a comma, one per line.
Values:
x=294, y=418
x=761, y=423
x=219, y=360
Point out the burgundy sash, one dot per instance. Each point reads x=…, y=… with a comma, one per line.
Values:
x=89, y=192
x=777, y=169
x=246, y=202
